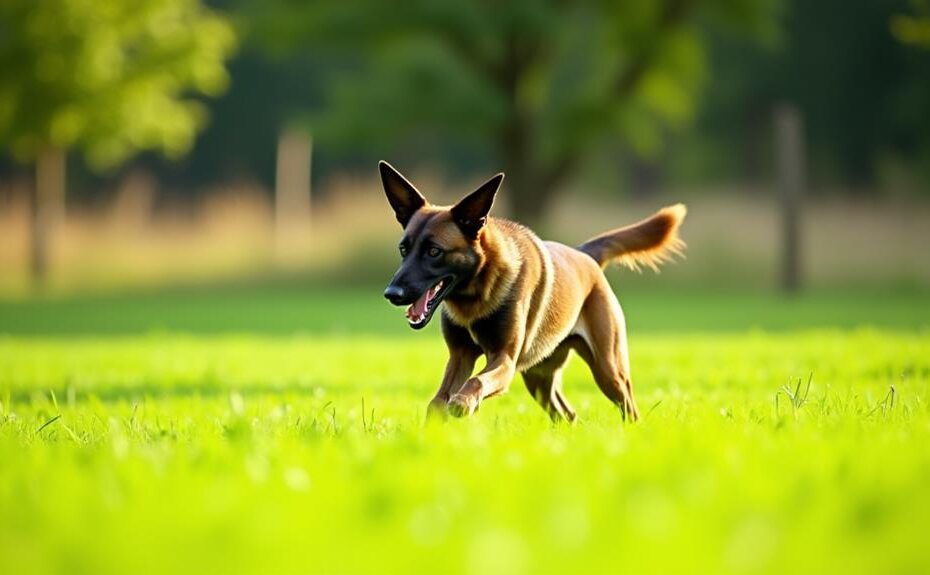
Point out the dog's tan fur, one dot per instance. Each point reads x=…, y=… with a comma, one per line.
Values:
x=531, y=301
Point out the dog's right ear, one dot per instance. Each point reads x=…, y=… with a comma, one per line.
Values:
x=404, y=198
x=471, y=213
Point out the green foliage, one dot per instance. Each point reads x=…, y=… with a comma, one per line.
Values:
x=913, y=28
x=110, y=78
x=856, y=72
x=537, y=82
x=245, y=454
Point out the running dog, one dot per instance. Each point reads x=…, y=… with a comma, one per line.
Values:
x=521, y=302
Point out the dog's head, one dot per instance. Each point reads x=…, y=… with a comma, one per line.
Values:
x=440, y=249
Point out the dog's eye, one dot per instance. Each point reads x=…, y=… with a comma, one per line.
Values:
x=403, y=250
x=434, y=252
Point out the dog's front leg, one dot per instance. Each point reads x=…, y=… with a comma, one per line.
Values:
x=495, y=378
x=463, y=353
x=459, y=367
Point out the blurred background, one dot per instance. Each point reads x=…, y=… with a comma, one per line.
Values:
x=179, y=164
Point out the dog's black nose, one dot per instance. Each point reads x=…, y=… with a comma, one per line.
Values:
x=394, y=294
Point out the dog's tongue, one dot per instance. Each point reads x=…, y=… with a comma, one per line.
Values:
x=419, y=307
x=417, y=310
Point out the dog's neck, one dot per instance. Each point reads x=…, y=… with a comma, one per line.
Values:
x=498, y=269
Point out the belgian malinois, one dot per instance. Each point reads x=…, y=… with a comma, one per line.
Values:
x=521, y=302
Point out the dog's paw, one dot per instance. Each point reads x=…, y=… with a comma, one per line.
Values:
x=461, y=405
x=437, y=410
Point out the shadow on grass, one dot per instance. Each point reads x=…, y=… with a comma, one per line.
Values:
x=117, y=394
x=193, y=390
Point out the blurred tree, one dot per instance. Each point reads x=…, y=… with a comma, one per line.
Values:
x=109, y=78
x=914, y=28
x=539, y=82
x=856, y=72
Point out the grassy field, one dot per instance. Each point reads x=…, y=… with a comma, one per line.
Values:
x=315, y=310
x=249, y=433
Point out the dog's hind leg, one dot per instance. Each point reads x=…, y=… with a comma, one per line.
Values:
x=546, y=389
x=604, y=348
x=544, y=382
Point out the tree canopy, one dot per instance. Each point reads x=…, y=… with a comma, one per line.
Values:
x=538, y=82
x=912, y=27
x=110, y=78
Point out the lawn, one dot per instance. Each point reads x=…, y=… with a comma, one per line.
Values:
x=325, y=310
x=232, y=445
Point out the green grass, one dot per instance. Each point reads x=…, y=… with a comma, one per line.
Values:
x=169, y=453
x=327, y=310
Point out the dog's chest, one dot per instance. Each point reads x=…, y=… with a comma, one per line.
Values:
x=497, y=331
x=504, y=328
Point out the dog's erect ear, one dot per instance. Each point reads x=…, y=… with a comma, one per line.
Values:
x=404, y=198
x=471, y=212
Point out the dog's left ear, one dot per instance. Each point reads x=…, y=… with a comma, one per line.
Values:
x=471, y=213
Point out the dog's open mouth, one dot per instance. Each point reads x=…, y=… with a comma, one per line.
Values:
x=420, y=311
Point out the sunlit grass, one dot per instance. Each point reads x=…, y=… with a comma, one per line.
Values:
x=296, y=454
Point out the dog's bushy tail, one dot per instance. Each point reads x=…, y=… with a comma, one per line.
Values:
x=650, y=242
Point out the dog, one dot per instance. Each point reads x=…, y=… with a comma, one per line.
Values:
x=521, y=302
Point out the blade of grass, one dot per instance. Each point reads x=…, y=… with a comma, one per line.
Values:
x=49, y=422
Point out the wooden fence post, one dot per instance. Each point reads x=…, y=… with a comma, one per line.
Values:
x=789, y=151
x=292, y=184
x=48, y=209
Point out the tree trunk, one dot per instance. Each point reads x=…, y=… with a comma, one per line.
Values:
x=531, y=183
x=48, y=209
x=530, y=186
x=519, y=194
x=644, y=177
x=529, y=193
